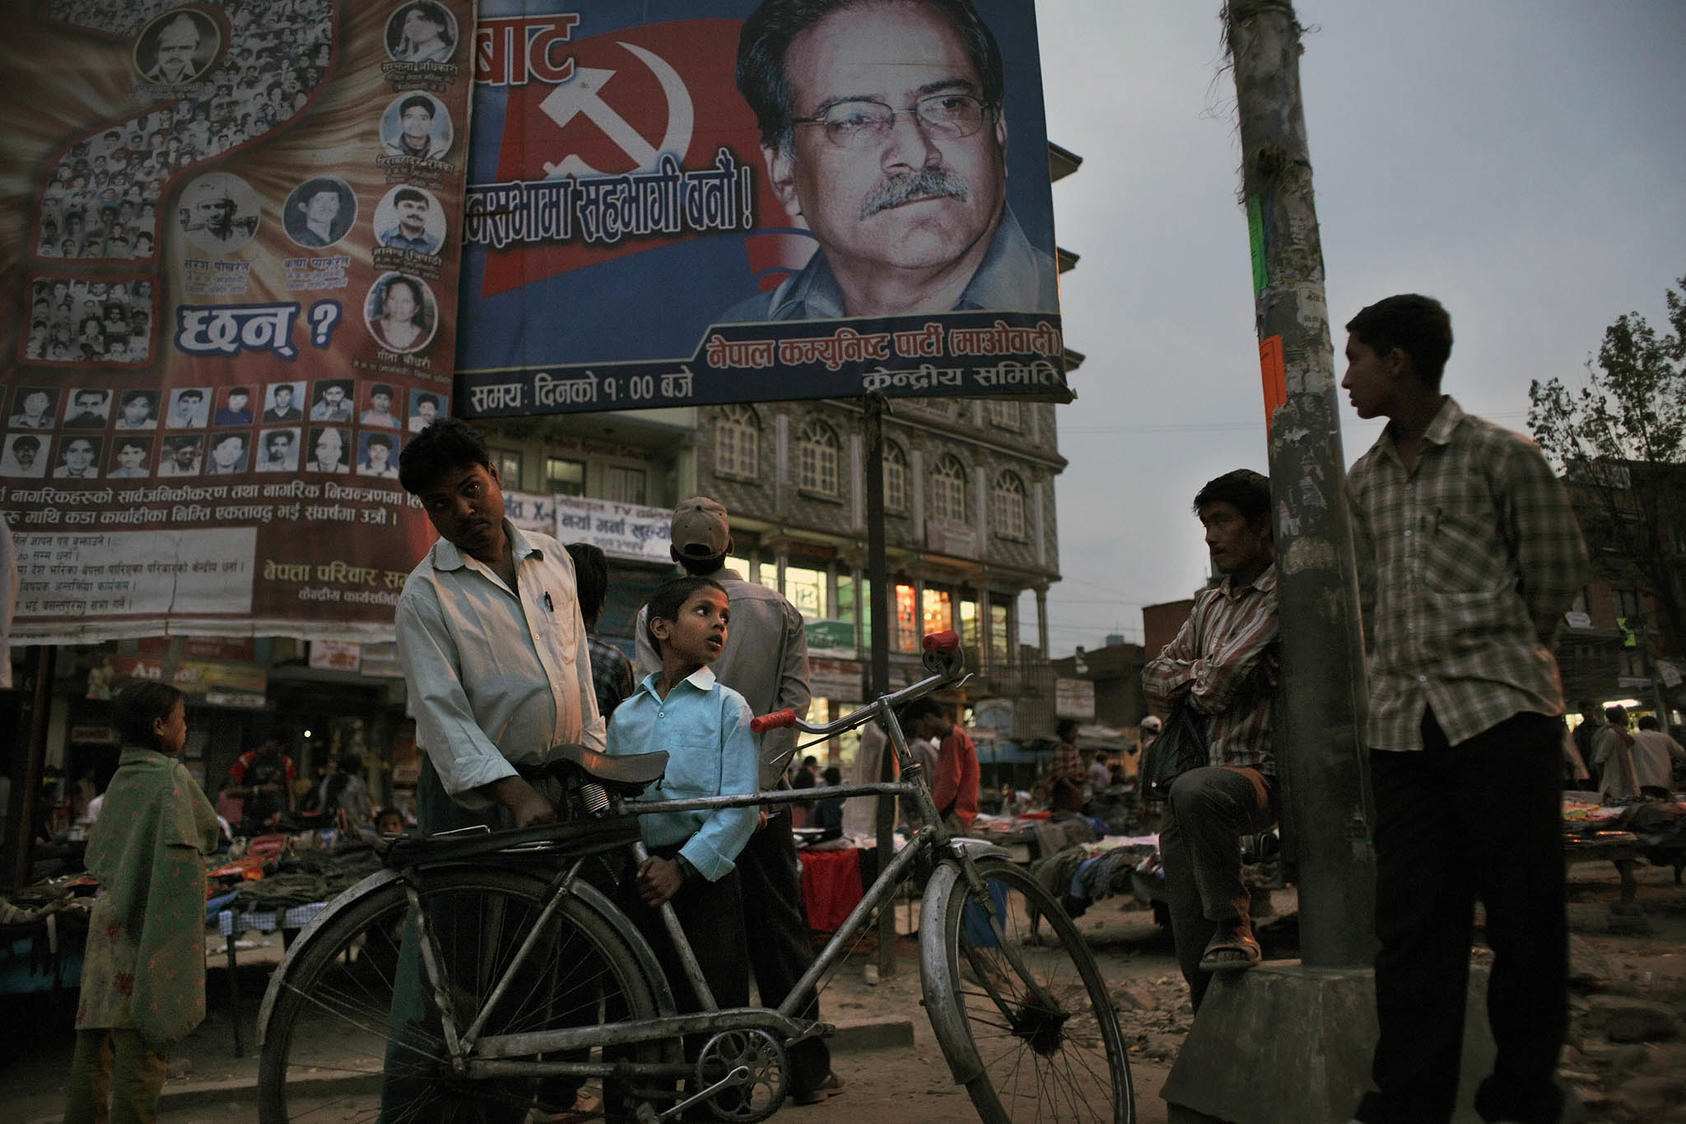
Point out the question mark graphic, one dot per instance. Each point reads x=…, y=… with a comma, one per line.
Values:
x=104, y=190
x=323, y=316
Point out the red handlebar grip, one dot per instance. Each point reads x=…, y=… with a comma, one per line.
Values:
x=778, y=720
x=947, y=641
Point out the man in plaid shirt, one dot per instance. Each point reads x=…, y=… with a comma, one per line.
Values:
x=1468, y=555
x=1223, y=663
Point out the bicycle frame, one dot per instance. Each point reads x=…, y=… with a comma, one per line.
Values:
x=493, y=1056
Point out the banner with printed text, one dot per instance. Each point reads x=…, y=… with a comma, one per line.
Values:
x=231, y=238
x=683, y=202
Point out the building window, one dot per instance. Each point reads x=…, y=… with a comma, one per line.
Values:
x=564, y=477
x=904, y=636
x=1007, y=506
x=816, y=459
x=508, y=463
x=1001, y=606
x=806, y=589
x=624, y=485
x=737, y=442
x=938, y=613
x=1006, y=414
x=895, y=477
x=948, y=490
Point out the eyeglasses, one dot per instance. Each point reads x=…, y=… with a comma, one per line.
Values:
x=861, y=122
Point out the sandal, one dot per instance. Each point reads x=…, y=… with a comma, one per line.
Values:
x=1235, y=951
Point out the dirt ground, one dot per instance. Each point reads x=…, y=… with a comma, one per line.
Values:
x=1624, y=1056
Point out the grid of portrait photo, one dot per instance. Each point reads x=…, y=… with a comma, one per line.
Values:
x=348, y=427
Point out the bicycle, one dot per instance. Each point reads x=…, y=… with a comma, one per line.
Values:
x=484, y=976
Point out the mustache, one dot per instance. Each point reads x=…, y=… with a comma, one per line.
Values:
x=927, y=181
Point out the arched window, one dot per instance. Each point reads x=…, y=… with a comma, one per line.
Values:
x=895, y=477
x=737, y=442
x=816, y=458
x=948, y=490
x=1007, y=506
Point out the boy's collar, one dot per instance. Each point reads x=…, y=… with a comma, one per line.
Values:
x=702, y=679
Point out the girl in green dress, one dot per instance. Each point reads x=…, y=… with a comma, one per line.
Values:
x=143, y=973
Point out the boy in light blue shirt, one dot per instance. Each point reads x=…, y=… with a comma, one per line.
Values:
x=704, y=727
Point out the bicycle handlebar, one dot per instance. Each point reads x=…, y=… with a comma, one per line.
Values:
x=778, y=720
x=942, y=657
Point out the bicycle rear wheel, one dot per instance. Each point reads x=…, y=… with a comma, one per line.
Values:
x=1039, y=1044
x=355, y=1024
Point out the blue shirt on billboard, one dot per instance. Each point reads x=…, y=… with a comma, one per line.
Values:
x=1014, y=276
x=395, y=238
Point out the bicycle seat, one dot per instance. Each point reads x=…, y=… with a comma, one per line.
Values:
x=629, y=774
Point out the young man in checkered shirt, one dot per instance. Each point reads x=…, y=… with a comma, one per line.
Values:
x=1468, y=555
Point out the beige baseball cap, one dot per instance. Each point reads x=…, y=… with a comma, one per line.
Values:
x=700, y=529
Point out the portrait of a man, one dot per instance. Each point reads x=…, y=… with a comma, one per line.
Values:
x=416, y=125
x=189, y=409
x=236, y=408
x=278, y=450
x=333, y=402
x=414, y=223
x=176, y=49
x=139, y=410
x=883, y=133
x=87, y=409
x=78, y=459
x=180, y=456
x=228, y=454
x=319, y=212
x=23, y=456
x=219, y=212
x=283, y=403
x=129, y=458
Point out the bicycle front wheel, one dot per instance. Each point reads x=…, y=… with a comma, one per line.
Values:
x=1023, y=1016
x=355, y=1033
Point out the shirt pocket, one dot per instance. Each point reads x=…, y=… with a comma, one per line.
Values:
x=693, y=766
x=1464, y=554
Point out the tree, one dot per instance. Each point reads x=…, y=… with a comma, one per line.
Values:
x=1620, y=443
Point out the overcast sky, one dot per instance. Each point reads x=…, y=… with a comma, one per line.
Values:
x=1523, y=161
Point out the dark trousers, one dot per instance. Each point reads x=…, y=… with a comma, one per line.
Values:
x=1481, y=819
x=704, y=908
x=1206, y=813
x=777, y=927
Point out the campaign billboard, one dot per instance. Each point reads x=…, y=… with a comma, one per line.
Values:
x=230, y=234
x=684, y=202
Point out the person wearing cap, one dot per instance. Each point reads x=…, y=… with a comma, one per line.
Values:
x=766, y=661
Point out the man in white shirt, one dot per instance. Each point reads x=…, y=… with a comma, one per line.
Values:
x=491, y=642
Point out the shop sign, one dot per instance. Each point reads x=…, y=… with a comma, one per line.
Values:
x=830, y=635
x=93, y=735
x=335, y=655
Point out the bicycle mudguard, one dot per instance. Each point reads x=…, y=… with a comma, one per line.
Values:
x=582, y=890
x=579, y=837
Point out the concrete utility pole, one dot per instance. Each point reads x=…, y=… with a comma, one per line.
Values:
x=1232, y=1066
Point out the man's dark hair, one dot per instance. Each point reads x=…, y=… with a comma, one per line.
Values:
x=1649, y=722
x=379, y=439
x=414, y=100
x=408, y=194
x=591, y=579
x=833, y=775
x=920, y=708
x=701, y=567
x=315, y=187
x=767, y=33
x=1066, y=729
x=26, y=441
x=670, y=596
x=137, y=396
x=446, y=445
x=1417, y=325
x=1247, y=490
x=432, y=12
x=433, y=398
x=138, y=703
x=380, y=388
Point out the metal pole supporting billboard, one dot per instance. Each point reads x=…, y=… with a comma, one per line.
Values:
x=1322, y=1008
x=872, y=421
